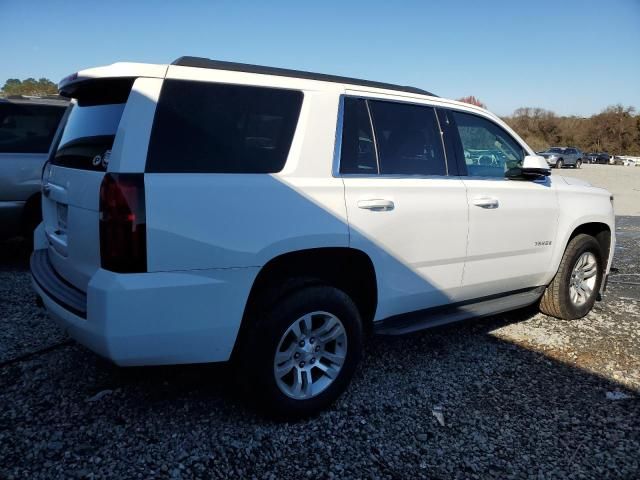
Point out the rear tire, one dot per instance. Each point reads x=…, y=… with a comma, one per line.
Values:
x=579, y=164
x=575, y=287
x=291, y=362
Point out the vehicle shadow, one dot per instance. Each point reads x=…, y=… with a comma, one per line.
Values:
x=14, y=254
x=506, y=410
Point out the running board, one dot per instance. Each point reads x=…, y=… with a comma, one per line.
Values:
x=456, y=312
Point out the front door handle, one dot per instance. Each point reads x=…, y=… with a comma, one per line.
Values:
x=486, y=202
x=376, y=204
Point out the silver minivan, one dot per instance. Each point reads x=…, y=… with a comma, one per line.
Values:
x=27, y=127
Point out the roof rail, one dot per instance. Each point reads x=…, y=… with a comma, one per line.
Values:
x=285, y=72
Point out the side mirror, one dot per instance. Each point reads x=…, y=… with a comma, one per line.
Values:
x=533, y=167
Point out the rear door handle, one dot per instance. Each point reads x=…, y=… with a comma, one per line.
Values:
x=486, y=202
x=376, y=204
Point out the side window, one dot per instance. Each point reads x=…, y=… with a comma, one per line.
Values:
x=28, y=128
x=408, y=139
x=358, y=153
x=489, y=151
x=203, y=127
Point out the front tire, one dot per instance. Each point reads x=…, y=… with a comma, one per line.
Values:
x=559, y=164
x=575, y=287
x=303, y=353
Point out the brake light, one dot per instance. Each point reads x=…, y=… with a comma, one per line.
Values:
x=123, y=233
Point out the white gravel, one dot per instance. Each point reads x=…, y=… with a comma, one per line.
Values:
x=518, y=395
x=623, y=182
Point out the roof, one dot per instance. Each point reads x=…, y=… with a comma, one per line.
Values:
x=199, y=62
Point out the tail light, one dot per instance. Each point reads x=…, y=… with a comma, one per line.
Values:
x=123, y=233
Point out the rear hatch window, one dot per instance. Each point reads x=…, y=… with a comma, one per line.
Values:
x=91, y=126
x=88, y=136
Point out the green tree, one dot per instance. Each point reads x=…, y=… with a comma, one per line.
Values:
x=29, y=86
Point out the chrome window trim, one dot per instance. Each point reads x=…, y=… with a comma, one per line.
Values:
x=337, y=150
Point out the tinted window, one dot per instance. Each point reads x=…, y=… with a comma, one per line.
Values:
x=408, y=139
x=28, y=128
x=88, y=136
x=217, y=128
x=358, y=153
x=489, y=151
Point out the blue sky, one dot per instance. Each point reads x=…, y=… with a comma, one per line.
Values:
x=573, y=57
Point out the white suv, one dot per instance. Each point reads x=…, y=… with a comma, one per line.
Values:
x=209, y=211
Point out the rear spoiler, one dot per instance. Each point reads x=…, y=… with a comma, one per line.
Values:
x=122, y=73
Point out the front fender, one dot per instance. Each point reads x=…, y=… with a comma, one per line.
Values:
x=567, y=229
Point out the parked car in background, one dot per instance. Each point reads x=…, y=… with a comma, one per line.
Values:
x=558, y=157
x=271, y=217
x=627, y=161
x=597, y=157
x=27, y=126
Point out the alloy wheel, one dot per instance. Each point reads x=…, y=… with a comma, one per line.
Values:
x=310, y=355
x=583, y=279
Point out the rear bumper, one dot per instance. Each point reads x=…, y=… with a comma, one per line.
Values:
x=156, y=318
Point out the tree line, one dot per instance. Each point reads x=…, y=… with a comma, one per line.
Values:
x=29, y=86
x=615, y=130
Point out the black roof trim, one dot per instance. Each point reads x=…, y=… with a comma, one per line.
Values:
x=285, y=72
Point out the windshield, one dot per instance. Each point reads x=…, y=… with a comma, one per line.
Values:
x=555, y=150
x=88, y=136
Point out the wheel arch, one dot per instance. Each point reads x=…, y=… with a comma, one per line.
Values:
x=348, y=269
x=598, y=229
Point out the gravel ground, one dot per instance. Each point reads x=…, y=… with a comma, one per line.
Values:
x=519, y=395
x=623, y=182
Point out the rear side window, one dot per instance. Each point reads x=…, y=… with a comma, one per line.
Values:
x=358, y=153
x=408, y=139
x=217, y=128
x=28, y=128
